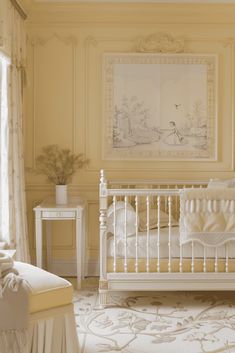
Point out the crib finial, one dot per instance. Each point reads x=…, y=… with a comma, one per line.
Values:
x=103, y=184
x=102, y=177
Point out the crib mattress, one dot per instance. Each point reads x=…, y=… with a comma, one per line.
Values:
x=164, y=249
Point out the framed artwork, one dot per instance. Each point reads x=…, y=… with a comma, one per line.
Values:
x=160, y=107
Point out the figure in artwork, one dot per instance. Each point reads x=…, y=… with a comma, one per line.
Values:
x=174, y=137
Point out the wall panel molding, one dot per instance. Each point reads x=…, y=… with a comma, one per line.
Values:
x=95, y=46
x=36, y=42
x=160, y=42
x=43, y=40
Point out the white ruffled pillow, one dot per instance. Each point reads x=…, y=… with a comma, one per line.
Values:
x=220, y=183
x=120, y=219
x=131, y=219
x=153, y=219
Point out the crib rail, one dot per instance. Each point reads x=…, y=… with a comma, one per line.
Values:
x=142, y=192
x=132, y=252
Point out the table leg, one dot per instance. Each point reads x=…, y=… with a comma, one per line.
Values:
x=83, y=237
x=79, y=246
x=38, y=236
x=48, y=241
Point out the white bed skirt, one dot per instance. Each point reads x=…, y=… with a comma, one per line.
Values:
x=50, y=331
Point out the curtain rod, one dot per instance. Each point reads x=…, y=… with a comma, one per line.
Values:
x=19, y=8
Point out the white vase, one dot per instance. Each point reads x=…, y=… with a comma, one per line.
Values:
x=61, y=195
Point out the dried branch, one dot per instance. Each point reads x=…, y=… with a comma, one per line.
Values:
x=58, y=164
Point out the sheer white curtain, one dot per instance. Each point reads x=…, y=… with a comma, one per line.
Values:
x=14, y=223
x=4, y=143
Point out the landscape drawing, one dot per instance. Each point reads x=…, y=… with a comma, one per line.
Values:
x=162, y=108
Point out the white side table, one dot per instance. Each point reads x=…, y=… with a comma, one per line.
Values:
x=49, y=211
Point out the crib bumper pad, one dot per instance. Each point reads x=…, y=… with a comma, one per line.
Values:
x=207, y=215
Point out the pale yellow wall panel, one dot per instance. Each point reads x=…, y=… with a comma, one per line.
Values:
x=53, y=94
x=65, y=255
x=93, y=226
x=93, y=255
x=63, y=235
x=64, y=100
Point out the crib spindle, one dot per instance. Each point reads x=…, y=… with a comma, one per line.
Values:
x=136, y=233
x=227, y=260
x=176, y=201
x=169, y=234
x=147, y=225
x=165, y=203
x=125, y=240
x=114, y=234
x=158, y=232
x=216, y=259
x=181, y=245
x=192, y=262
x=181, y=257
x=204, y=258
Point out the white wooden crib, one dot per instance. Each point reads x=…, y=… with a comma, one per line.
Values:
x=154, y=259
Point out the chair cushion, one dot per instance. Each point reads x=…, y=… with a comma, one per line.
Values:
x=47, y=290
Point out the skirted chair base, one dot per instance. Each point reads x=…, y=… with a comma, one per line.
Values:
x=53, y=331
x=52, y=326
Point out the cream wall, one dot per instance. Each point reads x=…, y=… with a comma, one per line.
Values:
x=63, y=99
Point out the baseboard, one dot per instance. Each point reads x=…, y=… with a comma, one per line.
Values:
x=68, y=268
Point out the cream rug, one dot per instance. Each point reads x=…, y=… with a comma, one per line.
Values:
x=154, y=322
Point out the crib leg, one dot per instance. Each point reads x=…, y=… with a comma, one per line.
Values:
x=103, y=293
x=103, y=299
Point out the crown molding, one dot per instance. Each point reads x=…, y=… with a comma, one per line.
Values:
x=83, y=12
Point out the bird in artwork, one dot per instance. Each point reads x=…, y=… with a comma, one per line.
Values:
x=177, y=106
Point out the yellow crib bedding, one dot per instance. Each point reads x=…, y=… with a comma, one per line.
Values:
x=175, y=265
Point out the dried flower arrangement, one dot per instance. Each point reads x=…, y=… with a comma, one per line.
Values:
x=58, y=164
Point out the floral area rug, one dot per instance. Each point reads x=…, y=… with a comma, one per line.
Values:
x=156, y=322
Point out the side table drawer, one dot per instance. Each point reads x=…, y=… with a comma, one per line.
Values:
x=58, y=214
